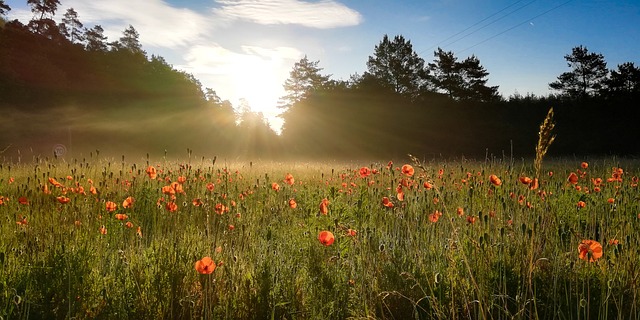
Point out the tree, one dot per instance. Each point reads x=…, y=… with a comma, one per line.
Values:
x=130, y=41
x=396, y=66
x=4, y=8
x=44, y=25
x=71, y=26
x=589, y=71
x=445, y=70
x=474, y=81
x=303, y=79
x=95, y=40
x=625, y=80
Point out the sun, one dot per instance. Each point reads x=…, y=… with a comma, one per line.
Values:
x=259, y=81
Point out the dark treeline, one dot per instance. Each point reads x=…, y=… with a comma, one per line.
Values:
x=65, y=83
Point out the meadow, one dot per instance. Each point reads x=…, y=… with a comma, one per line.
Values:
x=111, y=238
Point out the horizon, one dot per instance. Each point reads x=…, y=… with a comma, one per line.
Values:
x=245, y=50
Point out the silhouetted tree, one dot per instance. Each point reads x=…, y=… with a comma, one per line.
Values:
x=44, y=24
x=445, y=73
x=589, y=71
x=95, y=40
x=395, y=65
x=474, y=81
x=304, y=78
x=130, y=41
x=4, y=8
x=71, y=26
x=624, y=80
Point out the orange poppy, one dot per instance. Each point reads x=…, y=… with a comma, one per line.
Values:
x=55, y=183
x=460, y=211
x=171, y=206
x=534, y=184
x=435, y=216
x=613, y=242
x=427, y=185
x=196, y=202
x=288, y=179
x=326, y=238
x=93, y=190
x=400, y=196
x=525, y=180
x=177, y=187
x=22, y=221
x=611, y=200
x=121, y=216
x=324, y=206
x=151, y=172
x=205, y=265
x=495, y=180
x=129, y=224
x=275, y=186
x=364, y=172
x=210, y=186
x=386, y=202
x=103, y=230
x=168, y=190
x=584, y=165
x=231, y=227
x=220, y=208
x=128, y=202
x=590, y=250
x=471, y=219
x=182, y=179
x=63, y=199
x=408, y=170
x=139, y=232
x=352, y=233
x=581, y=204
x=23, y=200
x=111, y=206
x=292, y=204
x=573, y=178
x=11, y=180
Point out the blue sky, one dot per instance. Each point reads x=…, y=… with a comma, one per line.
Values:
x=246, y=48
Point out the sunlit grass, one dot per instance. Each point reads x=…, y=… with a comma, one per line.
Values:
x=494, y=251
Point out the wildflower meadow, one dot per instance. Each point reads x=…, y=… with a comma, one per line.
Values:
x=152, y=239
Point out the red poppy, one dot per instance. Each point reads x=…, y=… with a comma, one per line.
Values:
x=471, y=219
x=182, y=179
x=63, y=199
x=288, y=179
x=573, y=178
x=293, y=204
x=435, y=216
x=324, y=206
x=205, y=265
x=275, y=186
x=121, y=216
x=103, y=230
x=495, y=180
x=110, y=206
x=460, y=211
x=128, y=202
x=231, y=227
x=169, y=190
x=22, y=221
x=139, y=232
x=584, y=165
x=408, y=170
x=525, y=180
x=326, y=238
x=171, y=206
x=613, y=242
x=534, y=184
x=220, y=208
x=54, y=182
x=210, y=186
x=611, y=200
x=581, y=204
x=23, y=200
x=351, y=232
x=177, y=187
x=427, y=185
x=590, y=250
x=364, y=172
x=386, y=202
x=400, y=196
x=151, y=172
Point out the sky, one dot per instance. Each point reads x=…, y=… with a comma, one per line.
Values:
x=245, y=49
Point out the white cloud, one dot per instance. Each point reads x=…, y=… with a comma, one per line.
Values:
x=323, y=14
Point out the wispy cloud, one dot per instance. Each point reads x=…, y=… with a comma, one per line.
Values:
x=324, y=14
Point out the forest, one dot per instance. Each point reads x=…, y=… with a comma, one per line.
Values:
x=66, y=83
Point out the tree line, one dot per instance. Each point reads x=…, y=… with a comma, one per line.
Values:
x=67, y=83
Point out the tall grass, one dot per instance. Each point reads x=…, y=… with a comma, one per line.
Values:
x=512, y=253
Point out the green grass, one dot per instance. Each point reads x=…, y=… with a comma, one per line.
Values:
x=516, y=261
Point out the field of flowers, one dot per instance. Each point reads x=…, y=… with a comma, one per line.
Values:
x=160, y=239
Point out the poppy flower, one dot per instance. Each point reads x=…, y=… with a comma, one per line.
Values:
x=54, y=182
x=460, y=211
x=408, y=170
x=435, y=216
x=495, y=180
x=196, y=202
x=581, y=204
x=231, y=227
x=326, y=238
x=169, y=190
x=210, y=186
x=220, y=208
x=400, y=196
x=288, y=179
x=324, y=206
x=427, y=185
x=23, y=200
x=386, y=202
x=351, y=232
x=121, y=216
x=93, y=190
x=275, y=186
x=364, y=172
x=471, y=219
x=171, y=206
x=11, y=180
x=128, y=202
x=63, y=199
x=534, y=184
x=614, y=242
x=389, y=165
x=182, y=179
x=103, y=230
x=22, y=221
x=177, y=187
x=525, y=180
x=110, y=206
x=573, y=178
x=139, y=232
x=151, y=172
x=293, y=204
x=584, y=165
x=205, y=265
x=129, y=224
x=590, y=250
